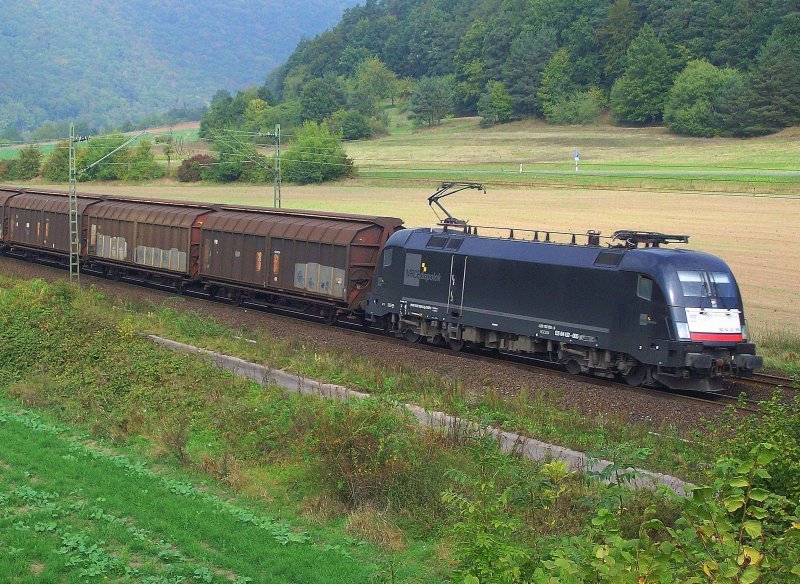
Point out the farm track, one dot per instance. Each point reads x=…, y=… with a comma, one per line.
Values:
x=588, y=396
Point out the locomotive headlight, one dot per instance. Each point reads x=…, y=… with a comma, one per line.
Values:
x=683, y=330
x=745, y=336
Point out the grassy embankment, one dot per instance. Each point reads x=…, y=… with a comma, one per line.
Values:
x=325, y=491
x=72, y=508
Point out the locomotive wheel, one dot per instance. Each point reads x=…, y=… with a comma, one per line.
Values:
x=636, y=376
x=455, y=345
x=411, y=336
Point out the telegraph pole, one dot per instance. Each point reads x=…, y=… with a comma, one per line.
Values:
x=74, y=227
x=74, y=223
x=248, y=153
x=277, y=195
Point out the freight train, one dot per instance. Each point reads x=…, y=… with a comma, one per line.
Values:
x=630, y=308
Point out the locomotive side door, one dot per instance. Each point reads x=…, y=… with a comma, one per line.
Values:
x=457, y=285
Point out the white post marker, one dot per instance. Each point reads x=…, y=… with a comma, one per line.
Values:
x=577, y=156
x=520, y=168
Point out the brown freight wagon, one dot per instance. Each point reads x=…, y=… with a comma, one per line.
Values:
x=161, y=237
x=321, y=262
x=40, y=220
x=5, y=195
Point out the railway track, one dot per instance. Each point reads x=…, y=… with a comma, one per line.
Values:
x=772, y=381
x=712, y=400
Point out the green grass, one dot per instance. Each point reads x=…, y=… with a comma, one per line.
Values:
x=780, y=349
x=647, y=158
x=11, y=152
x=70, y=508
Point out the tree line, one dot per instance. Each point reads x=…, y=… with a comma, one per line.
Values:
x=132, y=163
x=702, y=68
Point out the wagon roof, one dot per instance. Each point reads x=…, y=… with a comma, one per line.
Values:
x=6, y=193
x=53, y=201
x=148, y=212
x=338, y=228
x=298, y=227
x=348, y=217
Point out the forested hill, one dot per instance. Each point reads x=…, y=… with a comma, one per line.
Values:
x=109, y=61
x=582, y=47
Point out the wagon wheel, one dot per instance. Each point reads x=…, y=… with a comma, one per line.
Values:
x=330, y=317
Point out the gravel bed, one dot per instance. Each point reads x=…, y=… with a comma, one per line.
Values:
x=576, y=394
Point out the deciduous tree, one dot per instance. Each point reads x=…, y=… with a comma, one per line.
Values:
x=432, y=100
x=638, y=96
x=694, y=100
x=316, y=155
x=495, y=104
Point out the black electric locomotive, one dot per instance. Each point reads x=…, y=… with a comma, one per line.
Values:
x=646, y=313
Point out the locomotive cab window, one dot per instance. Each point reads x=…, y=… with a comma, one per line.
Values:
x=387, y=257
x=644, y=288
x=693, y=284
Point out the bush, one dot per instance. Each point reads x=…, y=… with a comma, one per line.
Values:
x=368, y=451
x=349, y=124
x=695, y=101
x=583, y=107
x=141, y=165
x=56, y=165
x=191, y=169
x=779, y=425
x=25, y=167
x=316, y=155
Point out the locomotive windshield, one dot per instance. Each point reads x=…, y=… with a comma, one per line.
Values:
x=707, y=284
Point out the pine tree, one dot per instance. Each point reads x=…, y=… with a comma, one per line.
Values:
x=619, y=29
x=775, y=83
x=522, y=72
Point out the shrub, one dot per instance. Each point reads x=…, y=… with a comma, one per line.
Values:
x=582, y=107
x=56, y=165
x=368, y=451
x=728, y=531
x=695, y=100
x=349, y=124
x=779, y=425
x=191, y=169
x=316, y=155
